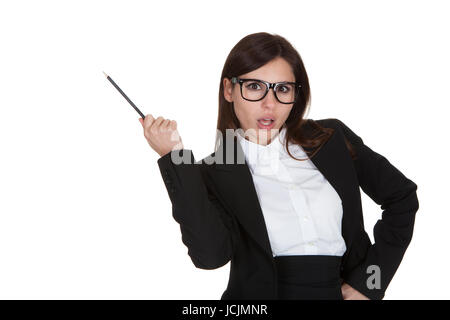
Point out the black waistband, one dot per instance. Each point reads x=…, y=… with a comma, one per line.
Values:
x=309, y=269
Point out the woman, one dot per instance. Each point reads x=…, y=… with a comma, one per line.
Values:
x=279, y=197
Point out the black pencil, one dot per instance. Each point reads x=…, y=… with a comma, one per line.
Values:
x=124, y=95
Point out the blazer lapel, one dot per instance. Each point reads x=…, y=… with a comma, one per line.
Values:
x=335, y=163
x=236, y=183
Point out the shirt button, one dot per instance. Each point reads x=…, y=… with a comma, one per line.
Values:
x=305, y=218
x=292, y=186
x=311, y=243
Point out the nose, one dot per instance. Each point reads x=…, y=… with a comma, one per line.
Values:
x=270, y=100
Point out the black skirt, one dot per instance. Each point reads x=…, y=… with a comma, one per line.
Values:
x=309, y=277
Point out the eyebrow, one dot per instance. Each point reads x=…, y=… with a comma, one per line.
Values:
x=265, y=80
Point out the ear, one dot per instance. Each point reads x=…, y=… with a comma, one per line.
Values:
x=227, y=90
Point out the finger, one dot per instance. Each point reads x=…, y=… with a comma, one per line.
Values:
x=148, y=120
x=173, y=124
x=156, y=124
x=165, y=124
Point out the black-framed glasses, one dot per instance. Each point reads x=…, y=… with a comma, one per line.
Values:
x=255, y=89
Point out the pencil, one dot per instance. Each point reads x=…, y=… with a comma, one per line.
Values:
x=124, y=95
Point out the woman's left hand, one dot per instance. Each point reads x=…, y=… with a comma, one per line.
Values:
x=350, y=293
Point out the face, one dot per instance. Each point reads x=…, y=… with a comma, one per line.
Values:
x=250, y=113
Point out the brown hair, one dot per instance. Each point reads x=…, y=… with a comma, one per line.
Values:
x=254, y=51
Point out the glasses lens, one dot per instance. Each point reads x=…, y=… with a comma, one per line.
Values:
x=286, y=92
x=255, y=90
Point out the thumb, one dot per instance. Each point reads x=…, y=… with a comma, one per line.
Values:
x=141, y=121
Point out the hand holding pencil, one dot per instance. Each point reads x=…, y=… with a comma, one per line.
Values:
x=161, y=134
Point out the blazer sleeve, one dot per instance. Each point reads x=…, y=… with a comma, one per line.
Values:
x=207, y=229
x=396, y=194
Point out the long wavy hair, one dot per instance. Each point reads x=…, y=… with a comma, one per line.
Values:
x=254, y=51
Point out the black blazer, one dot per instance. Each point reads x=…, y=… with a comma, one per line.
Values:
x=221, y=219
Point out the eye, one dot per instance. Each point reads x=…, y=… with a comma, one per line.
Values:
x=254, y=86
x=284, y=88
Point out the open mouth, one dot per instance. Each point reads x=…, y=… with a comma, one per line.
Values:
x=265, y=123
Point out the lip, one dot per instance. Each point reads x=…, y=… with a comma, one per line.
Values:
x=266, y=117
x=261, y=126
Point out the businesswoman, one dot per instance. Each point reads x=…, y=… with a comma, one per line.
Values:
x=279, y=197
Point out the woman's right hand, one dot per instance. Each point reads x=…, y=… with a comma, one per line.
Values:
x=161, y=134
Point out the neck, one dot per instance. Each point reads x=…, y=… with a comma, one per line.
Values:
x=264, y=137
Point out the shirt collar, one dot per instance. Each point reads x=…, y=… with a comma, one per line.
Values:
x=258, y=154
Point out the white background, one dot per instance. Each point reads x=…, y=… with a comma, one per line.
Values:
x=84, y=212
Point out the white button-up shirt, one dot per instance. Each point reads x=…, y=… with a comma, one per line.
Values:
x=302, y=211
